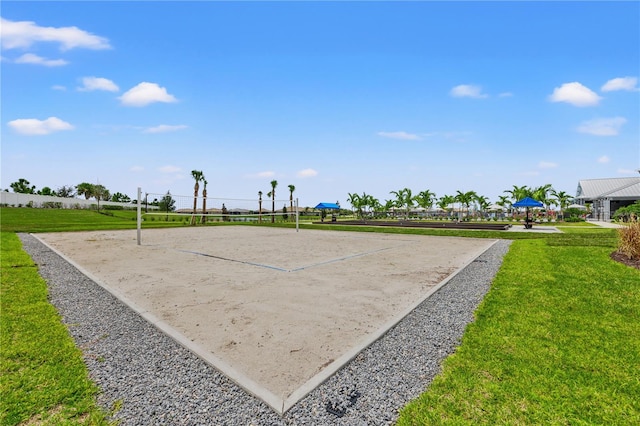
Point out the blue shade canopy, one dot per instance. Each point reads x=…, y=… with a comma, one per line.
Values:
x=328, y=206
x=528, y=202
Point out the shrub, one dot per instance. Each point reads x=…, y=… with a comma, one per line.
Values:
x=627, y=213
x=629, y=240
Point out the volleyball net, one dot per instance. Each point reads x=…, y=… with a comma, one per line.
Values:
x=199, y=210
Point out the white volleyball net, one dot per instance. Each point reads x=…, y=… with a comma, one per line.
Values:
x=191, y=210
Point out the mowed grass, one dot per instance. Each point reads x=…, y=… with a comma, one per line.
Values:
x=556, y=340
x=43, y=379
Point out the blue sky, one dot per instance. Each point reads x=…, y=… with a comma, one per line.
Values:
x=334, y=98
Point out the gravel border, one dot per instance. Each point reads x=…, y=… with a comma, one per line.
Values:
x=155, y=381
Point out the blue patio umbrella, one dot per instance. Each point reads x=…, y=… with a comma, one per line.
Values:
x=528, y=202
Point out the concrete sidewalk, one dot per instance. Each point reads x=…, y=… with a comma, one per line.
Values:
x=605, y=224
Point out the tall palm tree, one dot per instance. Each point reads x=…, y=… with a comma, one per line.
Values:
x=291, y=189
x=204, y=199
x=541, y=193
x=503, y=201
x=274, y=183
x=197, y=176
x=445, y=203
x=259, y=206
x=563, y=200
x=84, y=188
x=465, y=198
x=356, y=202
x=519, y=192
x=483, y=203
x=404, y=199
x=425, y=199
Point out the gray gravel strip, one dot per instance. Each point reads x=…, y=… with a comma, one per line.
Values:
x=156, y=381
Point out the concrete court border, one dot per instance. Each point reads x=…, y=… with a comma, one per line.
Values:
x=278, y=404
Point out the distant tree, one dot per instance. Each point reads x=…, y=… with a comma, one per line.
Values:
x=445, y=202
x=120, y=198
x=274, y=183
x=46, y=191
x=543, y=194
x=291, y=189
x=519, y=192
x=66, y=192
x=404, y=200
x=483, y=203
x=101, y=193
x=465, y=198
x=197, y=176
x=562, y=199
x=22, y=186
x=204, y=199
x=86, y=189
x=167, y=204
x=425, y=199
x=356, y=202
x=259, y=206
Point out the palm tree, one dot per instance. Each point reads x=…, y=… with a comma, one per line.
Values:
x=85, y=188
x=445, y=203
x=204, y=199
x=465, y=199
x=425, y=199
x=519, y=192
x=503, y=201
x=563, y=200
x=404, y=199
x=274, y=183
x=541, y=193
x=291, y=189
x=483, y=203
x=197, y=176
x=259, y=206
x=356, y=202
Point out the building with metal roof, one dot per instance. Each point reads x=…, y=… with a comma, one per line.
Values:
x=608, y=195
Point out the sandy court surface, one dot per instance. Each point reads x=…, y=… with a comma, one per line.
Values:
x=274, y=304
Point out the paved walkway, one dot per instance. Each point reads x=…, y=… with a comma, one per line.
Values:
x=605, y=224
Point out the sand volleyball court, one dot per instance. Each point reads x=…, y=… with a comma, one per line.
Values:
x=278, y=311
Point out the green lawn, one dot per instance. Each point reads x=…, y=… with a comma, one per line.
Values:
x=556, y=340
x=43, y=379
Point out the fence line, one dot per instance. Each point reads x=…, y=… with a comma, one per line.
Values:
x=14, y=199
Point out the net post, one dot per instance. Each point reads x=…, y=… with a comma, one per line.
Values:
x=139, y=215
x=297, y=216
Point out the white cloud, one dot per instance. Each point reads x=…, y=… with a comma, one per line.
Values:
x=468, y=91
x=33, y=126
x=399, y=135
x=505, y=95
x=575, y=94
x=90, y=84
x=30, y=58
x=58, y=87
x=23, y=34
x=169, y=169
x=621, y=83
x=604, y=159
x=146, y=93
x=306, y=173
x=136, y=169
x=164, y=128
x=547, y=165
x=627, y=171
x=262, y=175
x=602, y=126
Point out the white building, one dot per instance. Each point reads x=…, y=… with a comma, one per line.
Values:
x=608, y=195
